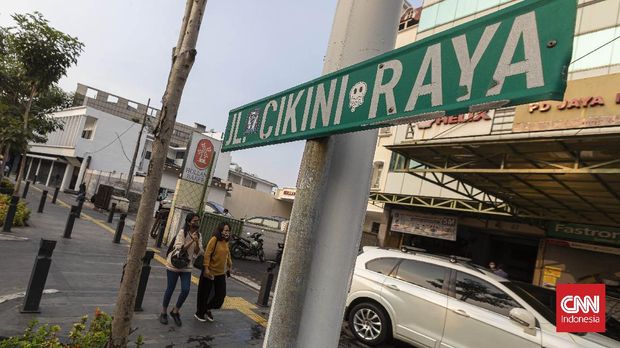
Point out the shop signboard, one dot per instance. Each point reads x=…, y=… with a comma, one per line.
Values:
x=510, y=57
x=422, y=224
x=591, y=102
x=473, y=123
x=589, y=233
x=198, y=156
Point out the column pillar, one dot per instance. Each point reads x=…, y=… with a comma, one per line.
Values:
x=66, y=178
x=80, y=177
x=49, y=176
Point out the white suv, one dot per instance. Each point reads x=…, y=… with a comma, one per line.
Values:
x=447, y=302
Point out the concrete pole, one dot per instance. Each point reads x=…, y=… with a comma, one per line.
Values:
x=49, y=175
x=80, y=177
x=320, y=251
x=135, y=151
x=66, y=178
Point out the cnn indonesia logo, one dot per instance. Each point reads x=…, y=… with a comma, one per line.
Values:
x=580, y=307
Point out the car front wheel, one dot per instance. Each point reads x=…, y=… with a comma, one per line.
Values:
x=369, y=323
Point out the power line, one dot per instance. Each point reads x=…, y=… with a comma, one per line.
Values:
x=113, y=141
x=594, y=50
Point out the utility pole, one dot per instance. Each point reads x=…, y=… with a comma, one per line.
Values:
x=332, y=194
x=183, y=58
x=135, y=151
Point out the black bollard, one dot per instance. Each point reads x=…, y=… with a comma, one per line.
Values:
x=111, y=215
x=160, y=236
x=10, y=214
x=265, y=286
x=26, y=187
x=80, y=203
x=38, y=276
x=42, y=202
x=144, y=278
x=55, y=194
x=70, y=222
x=119, y=228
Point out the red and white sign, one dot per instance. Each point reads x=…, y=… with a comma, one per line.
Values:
x=580, y=307
x=203, y=154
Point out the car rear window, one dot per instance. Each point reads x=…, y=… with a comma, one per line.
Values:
x=426, y=275
x=383, y=265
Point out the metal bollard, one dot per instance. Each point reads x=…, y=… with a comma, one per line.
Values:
x=111, y=215
x=42, y=201
x=55, y=194
x=119, y=228
x=144, y=278
x=10, y=214
x=265, y=286
x=160, y=236
x=26, y=187
x=70, y=222
x=79, y=206
x=38, y=276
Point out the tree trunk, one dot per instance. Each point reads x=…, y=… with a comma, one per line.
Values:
x=185, y=54
x=4, y=150
x=20, y=176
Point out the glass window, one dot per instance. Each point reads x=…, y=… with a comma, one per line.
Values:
x=486, y=4
x=397, y=162
x=180, y=155
x=147, y=155
x=446, y=11
x=428, y=18
x=480, y=293
x=584, y=46
x=384, y=265
x=422, y=274
x=465, y=8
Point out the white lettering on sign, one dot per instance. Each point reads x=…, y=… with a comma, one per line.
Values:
x=467, y=64
x=304, y=120
x=386, y=89
x=585, y=304
x=324, y=104
x=523, y=26
x=271, y=105
x=234, y=121
x=432, y=60
x=343, y=90
x=290, y=117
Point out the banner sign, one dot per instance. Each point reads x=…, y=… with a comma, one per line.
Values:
x=428, y=225
x=197, y=159
x=590, y=233
x=513, y=56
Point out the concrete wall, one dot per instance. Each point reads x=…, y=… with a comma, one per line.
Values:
x=246, y=202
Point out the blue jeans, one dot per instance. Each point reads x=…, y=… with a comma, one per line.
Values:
x=172, y=284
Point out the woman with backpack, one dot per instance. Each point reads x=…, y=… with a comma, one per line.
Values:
x=186, y=246
x=217, y=265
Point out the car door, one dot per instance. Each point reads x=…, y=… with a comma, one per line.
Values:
x=416, y=292
x=477, y=317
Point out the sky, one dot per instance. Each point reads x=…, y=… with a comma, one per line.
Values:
x=247, y=49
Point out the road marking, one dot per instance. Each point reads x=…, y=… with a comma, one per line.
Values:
x=237, y=303
x=9, y=297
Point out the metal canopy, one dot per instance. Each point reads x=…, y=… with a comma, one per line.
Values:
x=575, y=178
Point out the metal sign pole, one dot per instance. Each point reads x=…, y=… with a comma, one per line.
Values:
x=325, y=228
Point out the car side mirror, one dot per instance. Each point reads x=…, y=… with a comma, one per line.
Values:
x=525, y=319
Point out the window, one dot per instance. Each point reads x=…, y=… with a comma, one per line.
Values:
x=180, y=154
x=87, y=134
x=482, y=294
x=384, y=265
x=256, y=221
x=89, y=128
x=249, y=183
x=397, y=162
x=180, y=134
x=234, y=179
x=375, y=227
x=425, y=275
x=147, y=155
x=377, y=168
x=385, y=131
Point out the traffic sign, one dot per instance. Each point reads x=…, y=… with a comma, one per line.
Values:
x=513, y=56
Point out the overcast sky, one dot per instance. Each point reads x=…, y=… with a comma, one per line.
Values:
x=247, y=50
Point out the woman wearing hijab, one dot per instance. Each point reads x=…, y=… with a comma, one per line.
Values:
x=187, y=240
x=217, y=267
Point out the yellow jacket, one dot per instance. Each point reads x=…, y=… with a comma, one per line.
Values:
x=217, y=257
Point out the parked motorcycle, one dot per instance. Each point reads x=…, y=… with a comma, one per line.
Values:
x=241, y=247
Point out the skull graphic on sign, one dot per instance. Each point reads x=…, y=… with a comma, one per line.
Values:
x=357, y=94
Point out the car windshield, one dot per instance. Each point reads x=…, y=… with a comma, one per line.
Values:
x=541, y=299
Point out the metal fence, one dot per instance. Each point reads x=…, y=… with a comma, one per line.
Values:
x=209, y=223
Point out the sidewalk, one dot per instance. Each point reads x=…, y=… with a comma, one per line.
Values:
x=86, y=271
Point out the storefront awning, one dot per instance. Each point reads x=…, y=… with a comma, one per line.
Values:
x=573, y=178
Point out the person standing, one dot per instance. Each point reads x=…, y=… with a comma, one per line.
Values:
x=217, y=266
x=188, y=240
x=498, y=270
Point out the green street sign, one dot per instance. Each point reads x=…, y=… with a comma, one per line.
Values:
x=588, y=233
x=514, y=56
